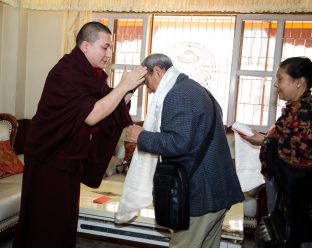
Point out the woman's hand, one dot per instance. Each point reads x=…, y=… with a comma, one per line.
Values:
x=256, y=139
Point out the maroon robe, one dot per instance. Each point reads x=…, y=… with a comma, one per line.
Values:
x=62, y=151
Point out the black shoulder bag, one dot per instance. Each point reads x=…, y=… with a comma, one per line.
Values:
x=171, y=187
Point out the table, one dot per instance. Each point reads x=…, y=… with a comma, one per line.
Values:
x=98, y=219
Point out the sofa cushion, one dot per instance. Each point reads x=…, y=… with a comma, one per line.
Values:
x=21, y=158
x=111, y=168
x=17, y=178
x=10, y=198
x=9, y=162
x=4, y=131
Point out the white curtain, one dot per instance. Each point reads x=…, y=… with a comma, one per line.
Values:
x=12, y=3
x=73, y=21
x=237, y=6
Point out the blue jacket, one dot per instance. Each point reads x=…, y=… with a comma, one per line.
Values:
x=186, y=120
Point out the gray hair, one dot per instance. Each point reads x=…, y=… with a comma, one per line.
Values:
x=157, y=59
x=90, y=32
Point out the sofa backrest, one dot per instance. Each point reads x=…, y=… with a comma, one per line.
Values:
x=8, y=127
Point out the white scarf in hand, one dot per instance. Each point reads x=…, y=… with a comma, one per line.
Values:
x=138, y=185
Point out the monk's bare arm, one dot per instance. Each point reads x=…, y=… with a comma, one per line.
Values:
x=107, y=104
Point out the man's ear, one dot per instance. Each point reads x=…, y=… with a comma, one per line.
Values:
x=159, y=72
x=84, y=46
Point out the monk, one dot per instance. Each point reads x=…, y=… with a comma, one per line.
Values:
x=72, y=139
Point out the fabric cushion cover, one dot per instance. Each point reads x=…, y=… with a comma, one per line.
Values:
x=9, y=162
x=4, y=131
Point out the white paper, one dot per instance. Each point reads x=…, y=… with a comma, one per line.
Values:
x=247, y=164
x=242, y=128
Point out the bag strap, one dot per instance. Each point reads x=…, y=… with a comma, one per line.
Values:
x=206, y=142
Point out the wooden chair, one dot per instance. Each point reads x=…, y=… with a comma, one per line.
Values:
x=8, y=223
x=12, y=123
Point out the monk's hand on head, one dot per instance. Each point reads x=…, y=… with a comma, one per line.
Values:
x=133, y=78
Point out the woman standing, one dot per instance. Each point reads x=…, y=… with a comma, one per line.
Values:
x=286, y=150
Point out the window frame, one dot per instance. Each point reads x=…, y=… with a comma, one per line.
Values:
x=281, y=19
x=236, y=72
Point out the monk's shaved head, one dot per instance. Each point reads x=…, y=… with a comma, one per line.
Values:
x=90, y=32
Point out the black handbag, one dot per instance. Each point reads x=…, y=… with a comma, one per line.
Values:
x=275, y=225
x=171, y=188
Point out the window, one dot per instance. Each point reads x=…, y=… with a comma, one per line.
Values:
x=201, y=47
x=234, y=56
x=264, y=42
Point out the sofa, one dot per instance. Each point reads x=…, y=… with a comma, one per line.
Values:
x=11, y=168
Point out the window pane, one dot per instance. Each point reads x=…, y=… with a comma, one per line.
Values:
x=297, y=39
x=258, y=45
x=102, y=20
x=253, y=100
x=115, y=77
x=199, y=46
x=280, y=104
x=127, y=39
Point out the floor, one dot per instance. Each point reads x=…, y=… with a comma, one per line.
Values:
x=87, y=242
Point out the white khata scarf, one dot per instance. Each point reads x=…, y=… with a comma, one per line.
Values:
x=138, y=185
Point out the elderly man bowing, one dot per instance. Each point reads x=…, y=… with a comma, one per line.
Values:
x=185, y=120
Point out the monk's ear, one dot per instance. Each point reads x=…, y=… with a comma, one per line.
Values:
x=84, y=46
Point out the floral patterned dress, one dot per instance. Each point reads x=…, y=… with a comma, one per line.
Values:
x=293, y=132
